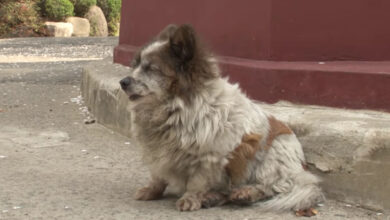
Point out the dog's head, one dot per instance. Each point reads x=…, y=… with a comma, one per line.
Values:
x=173, y=64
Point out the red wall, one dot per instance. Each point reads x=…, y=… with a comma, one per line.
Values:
x=330, y=30
x=270, y=29
x=228, y=28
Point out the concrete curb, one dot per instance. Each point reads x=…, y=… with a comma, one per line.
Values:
x=349, y=149
x=103, y=97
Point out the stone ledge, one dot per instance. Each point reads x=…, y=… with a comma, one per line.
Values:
x=349, y=149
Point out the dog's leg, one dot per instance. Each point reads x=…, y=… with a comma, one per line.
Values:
x=247, y=194
x=154, y=191
x=198, y=184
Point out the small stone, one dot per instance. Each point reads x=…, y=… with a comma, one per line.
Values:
x=66, y=103
x=83, y=150
x=321, y=63
x=323, y=167
x=91, y=121
x=2, y=156
x=5, y=211
x=16, y=207
x=127, y=143
x=96, y=157
x=320, y=205
x=379, y=213
x=306, y=212
x=348, y=205
x=66, y=207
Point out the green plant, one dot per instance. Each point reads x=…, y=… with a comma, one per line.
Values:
x=19, y=14
x=112, y=12
x=58, y=9
x=82, y=6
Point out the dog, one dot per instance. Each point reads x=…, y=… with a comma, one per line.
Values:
x=203, y=136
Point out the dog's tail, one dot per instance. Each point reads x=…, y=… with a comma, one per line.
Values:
x=305, y=193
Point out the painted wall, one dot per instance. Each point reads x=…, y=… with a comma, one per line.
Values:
x=270, y=29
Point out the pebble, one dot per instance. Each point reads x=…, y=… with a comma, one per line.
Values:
x=16, y=207
x=321, y=62
x=127, y=143
x=2, y=156
x=4, y=211
x=89, y=121
x=96, y=157
x=83, y=150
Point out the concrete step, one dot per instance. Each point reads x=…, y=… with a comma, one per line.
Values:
x=349, y=149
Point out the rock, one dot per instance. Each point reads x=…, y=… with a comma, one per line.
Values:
x=59, y=29
x=81, y=26
x=97, y=21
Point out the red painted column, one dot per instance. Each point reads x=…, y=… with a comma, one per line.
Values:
x=251, y=35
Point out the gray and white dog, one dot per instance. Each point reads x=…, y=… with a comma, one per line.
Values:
x=202, y=135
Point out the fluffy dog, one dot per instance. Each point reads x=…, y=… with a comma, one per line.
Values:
x=203, y=135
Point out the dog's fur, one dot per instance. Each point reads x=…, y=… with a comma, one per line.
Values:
x=203, y=135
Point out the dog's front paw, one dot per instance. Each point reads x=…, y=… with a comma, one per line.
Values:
x=189, y=203
x=148, y=193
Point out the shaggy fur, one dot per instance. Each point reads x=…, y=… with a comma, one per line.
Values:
x=203, y=135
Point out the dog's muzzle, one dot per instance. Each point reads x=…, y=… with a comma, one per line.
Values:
x=125, y=84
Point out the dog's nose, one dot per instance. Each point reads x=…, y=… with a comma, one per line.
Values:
x=125, y=82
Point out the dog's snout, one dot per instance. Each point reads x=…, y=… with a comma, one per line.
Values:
x=125, y=82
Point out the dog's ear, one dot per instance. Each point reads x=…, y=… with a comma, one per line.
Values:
x=167, y=32
x=182, y=43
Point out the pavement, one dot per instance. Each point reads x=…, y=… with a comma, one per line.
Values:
x=56, y=163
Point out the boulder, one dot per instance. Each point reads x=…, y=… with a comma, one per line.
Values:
x=59, y=29
x=81, y=26
x=97, y=21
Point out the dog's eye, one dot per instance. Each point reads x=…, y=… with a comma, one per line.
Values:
x=146, y=67
x=136, y=61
